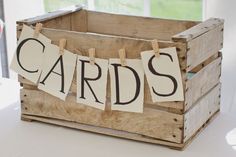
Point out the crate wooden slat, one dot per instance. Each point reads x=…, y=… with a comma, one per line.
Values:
x=173, y=124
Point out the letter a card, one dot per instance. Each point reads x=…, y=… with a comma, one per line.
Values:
x=57, y=71
x=28, y=58
x=127, y=85
x=92, y=82
x=163, y=75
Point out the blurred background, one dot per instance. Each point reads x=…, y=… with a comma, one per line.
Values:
x=13, y=10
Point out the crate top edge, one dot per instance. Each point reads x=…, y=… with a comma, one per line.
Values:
x=198, y=30
x=76, y=8
x=51, y=15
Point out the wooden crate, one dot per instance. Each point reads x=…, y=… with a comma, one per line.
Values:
x=173, y=124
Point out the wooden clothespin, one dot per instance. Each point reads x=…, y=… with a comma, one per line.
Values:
x=62, y=45
x=38, y=29
x=91, y=52
x=122, y=56
x=155, y=48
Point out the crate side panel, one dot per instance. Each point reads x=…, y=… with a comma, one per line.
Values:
x=152, y=123
x=134, y=26
x=198, y=30
x=202, y=82
x=107, y=47
x=204, y=46
x=201, y=112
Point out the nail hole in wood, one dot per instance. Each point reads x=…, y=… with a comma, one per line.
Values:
x=174, y=136
x=25, y=95
x=26, y=108
x=21, y=101
x=175, y=119
x=178, y=49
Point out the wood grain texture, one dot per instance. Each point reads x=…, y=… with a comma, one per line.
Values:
x=101, y=130
x=50, y=16
x=202, y=82
x=198, y=30
x=152, y=123
x=136, y=26
x=205, y=110
x=204, y=46
x=206, y=62
x=79, y=21
x=199, y=114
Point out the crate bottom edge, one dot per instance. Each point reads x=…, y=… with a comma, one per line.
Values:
x=116, y=133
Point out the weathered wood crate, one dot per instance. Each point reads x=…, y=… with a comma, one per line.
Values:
x=173, y=124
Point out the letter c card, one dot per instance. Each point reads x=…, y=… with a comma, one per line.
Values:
x=29, y=54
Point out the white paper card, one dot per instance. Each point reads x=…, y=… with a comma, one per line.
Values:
x=127, y=85
x=163, y=75
x=57, y=71
x=29, y=54
x=92, y=82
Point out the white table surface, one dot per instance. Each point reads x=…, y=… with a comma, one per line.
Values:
x=34, y=139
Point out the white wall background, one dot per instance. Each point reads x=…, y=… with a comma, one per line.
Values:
x=226, y=9
x=17, y=10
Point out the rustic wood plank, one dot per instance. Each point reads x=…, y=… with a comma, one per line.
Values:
x=108, y=45
x=204, y=46
x=152, y=123
x=206, y=62
x=213, y=116
x=199, y=114
x=173, y=107
x=51, y=15
x=62, y=22
x=198, y=30
x=202, y=82
x=79, y=21
x=135, y=26
x=103, y=131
